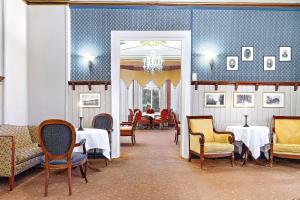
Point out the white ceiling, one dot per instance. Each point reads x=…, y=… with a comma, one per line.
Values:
x=138, y=49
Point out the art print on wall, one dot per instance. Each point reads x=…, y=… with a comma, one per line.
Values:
x=273, y=99
x=90, y=100
x=243, y=99
x=269, y=63
x=247, y=54
x=214, y=99
x=232, y=63
x=285, y=54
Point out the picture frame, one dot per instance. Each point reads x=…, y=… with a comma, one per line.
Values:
x=269, y=63
x=214, y=99
x=232, y=63
x=285, y=54
x=89, y=100
x=243, y=99
x=247, y=54
x=273, y=99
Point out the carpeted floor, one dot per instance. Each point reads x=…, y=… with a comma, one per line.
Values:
x=153, y=170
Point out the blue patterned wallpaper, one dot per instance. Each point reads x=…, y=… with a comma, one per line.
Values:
x=222, y=31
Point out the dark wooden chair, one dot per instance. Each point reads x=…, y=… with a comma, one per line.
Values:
x=177, y=127
x=127, y=129
x=102, y=121
x=206, y=142
x=57, y=140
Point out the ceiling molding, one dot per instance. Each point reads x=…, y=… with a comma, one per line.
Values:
x=170, y=3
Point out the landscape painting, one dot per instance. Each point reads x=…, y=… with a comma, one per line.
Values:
x=90, y=100
x=214, y=99
x=243, y=99
x=273, y=100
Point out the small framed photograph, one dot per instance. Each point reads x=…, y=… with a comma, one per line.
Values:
x=269, y=63
x=214, y=99
x=273, y=99
x=232, y=63
x=285, y=54
x=89, y=100
x=243, y=99
x=247, y=54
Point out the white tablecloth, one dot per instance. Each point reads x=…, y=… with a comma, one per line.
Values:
x=254, y=137
x=95, y=138
x=151, y=115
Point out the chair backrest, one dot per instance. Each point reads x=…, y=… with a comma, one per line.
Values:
x=139, y=114
x=165, y=114
x=103, y=121
x=134, y=120
x=130, y=116
x=287, y=129
x=57, y=138
x=202, y=124
x=176, y=122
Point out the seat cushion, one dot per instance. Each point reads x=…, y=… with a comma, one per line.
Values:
x=76, y=159
x=203, y=126
x=213, y=147
x=286, y=148
x=28, y=152
x=126, y=128
x=287, y=131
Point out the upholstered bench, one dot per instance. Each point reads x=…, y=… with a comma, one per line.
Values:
x=19, y=150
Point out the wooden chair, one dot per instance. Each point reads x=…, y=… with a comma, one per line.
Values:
x=127, y=129
x=102, y=121
x=285, y=138
x=177, y=127
x=130, y=116
x=163, y=118
x=206, y=142
x=57, y=140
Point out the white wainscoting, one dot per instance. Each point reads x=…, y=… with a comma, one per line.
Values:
x=88, y=113
x=235, y=116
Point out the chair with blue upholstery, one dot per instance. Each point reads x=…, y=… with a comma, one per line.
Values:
x=57, y=140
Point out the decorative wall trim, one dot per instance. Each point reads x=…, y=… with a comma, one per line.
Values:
x=170, y=3
x=140, y=68
x=89, y=83
x=1, y=78
x=237, y=84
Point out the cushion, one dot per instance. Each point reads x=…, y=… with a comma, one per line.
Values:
x=33, y=131
x=213, y=147
x=76, y=159
x=21, y=133
x=204, y=126
x=126, y=128
x=287, y=131
x=28, y=152
x=286, y=148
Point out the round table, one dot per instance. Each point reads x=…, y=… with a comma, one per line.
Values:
x=253, y=137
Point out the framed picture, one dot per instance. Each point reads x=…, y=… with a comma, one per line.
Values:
x=232, y=63
x=214, y=99
x=90, y=100
x=273, y=99
x=269, y=63
x=285, y=54
x=243, y=99
x=247, y=54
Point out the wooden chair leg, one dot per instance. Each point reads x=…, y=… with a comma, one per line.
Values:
x=11, y=182
x=201, y=161
x=46, y=180
x=69, y=179
x=85, y=171
x=106, y=162
x=232, y=159
x=271, y=160
x=190, y=156
x=132, y=140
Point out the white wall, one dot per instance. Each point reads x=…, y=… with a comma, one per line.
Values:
x=47, y=58
x=15, y=63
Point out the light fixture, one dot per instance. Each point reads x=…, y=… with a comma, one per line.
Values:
x=210, y=57
x=89, y=58
x=153, y=63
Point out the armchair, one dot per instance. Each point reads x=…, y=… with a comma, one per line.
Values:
x=127, y=129
x=206, y=142
x=285, y=138
x=177, y=128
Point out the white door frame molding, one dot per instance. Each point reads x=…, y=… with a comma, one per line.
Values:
x=185, y=38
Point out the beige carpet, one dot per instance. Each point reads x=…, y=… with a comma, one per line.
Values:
x=153, y=170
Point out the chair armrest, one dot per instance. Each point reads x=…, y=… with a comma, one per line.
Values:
x=273, y=138
x=231, y=138
x=126, y=124
x=81, y=143
x=202, y=137
x=7, y=155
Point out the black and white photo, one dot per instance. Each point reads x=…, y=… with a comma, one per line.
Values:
x=247, y=54
x=269, y=63
x=215, y=99
x=232, y=63
x=285, y=54
x=273, y=100
x=90, y=100
x=243, y=99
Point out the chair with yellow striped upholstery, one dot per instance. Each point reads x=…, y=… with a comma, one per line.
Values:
x=206, y=142
x=285, y=140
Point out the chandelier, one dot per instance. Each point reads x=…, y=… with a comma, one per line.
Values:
x=153, y=63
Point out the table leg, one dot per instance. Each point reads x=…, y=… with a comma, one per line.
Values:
x=246, y=156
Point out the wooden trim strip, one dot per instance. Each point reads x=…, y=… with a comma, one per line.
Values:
x=89, y=83
x=170, y=3
x=140, y=68
x=1, y=78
